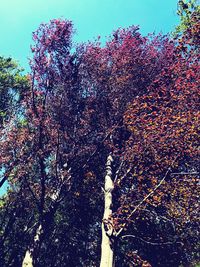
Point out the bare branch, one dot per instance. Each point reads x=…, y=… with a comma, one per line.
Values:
x=118, y=171
x=96, y=150
x=185, y=173
x=148, y=195
x=149, y=242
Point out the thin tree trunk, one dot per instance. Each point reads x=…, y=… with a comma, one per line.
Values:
x=28, y=259
x=107, y=253
x=42, y=229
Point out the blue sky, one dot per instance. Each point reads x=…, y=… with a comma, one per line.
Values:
x=19, y=18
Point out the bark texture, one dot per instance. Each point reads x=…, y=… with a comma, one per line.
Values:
x=107, y=253
x=28, y=259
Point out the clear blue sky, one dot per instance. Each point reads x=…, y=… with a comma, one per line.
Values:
x=19, y=18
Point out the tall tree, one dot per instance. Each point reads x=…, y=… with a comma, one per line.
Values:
x=115, y=124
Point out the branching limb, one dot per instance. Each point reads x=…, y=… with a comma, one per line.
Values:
x=147, y=196
x=149, y=242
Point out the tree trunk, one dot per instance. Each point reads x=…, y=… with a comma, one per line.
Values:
x=107, y=253
x=28, y=259
x=33, y=250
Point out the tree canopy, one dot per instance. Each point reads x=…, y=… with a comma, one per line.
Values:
x=118, y=123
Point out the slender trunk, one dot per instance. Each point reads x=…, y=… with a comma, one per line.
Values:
x=107, y=253
x=28, y=259
x=32, y=251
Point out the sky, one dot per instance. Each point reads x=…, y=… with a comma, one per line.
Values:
x=19, y=18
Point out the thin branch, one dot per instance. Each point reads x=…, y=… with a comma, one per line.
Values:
x=149, y=242
x=126, y=173
x=95, y=151
x=28, y=229
x=33, y=94
x=57, y=152
x=118, y=171
x=46, y=93
x=4, y=179
x=32, y=193
x=185, y=173
x=147, y=196
x=8, y=172
x=157, y=216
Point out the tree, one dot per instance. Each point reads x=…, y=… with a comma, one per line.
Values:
x=165, y=127
x=17, y=219
x=106, y=117
x=12, y=87
x=164, y=92
x=115, y=74
x=187, y=11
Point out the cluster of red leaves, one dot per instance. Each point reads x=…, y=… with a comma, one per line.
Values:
x=135, y=260
x=165, y=130
x=51, y=53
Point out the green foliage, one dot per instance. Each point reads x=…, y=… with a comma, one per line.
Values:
x=186, y=8
x=13, y=85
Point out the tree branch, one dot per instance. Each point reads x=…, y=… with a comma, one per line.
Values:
x=149, y=242
x=185, y=173
x=147, y=196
